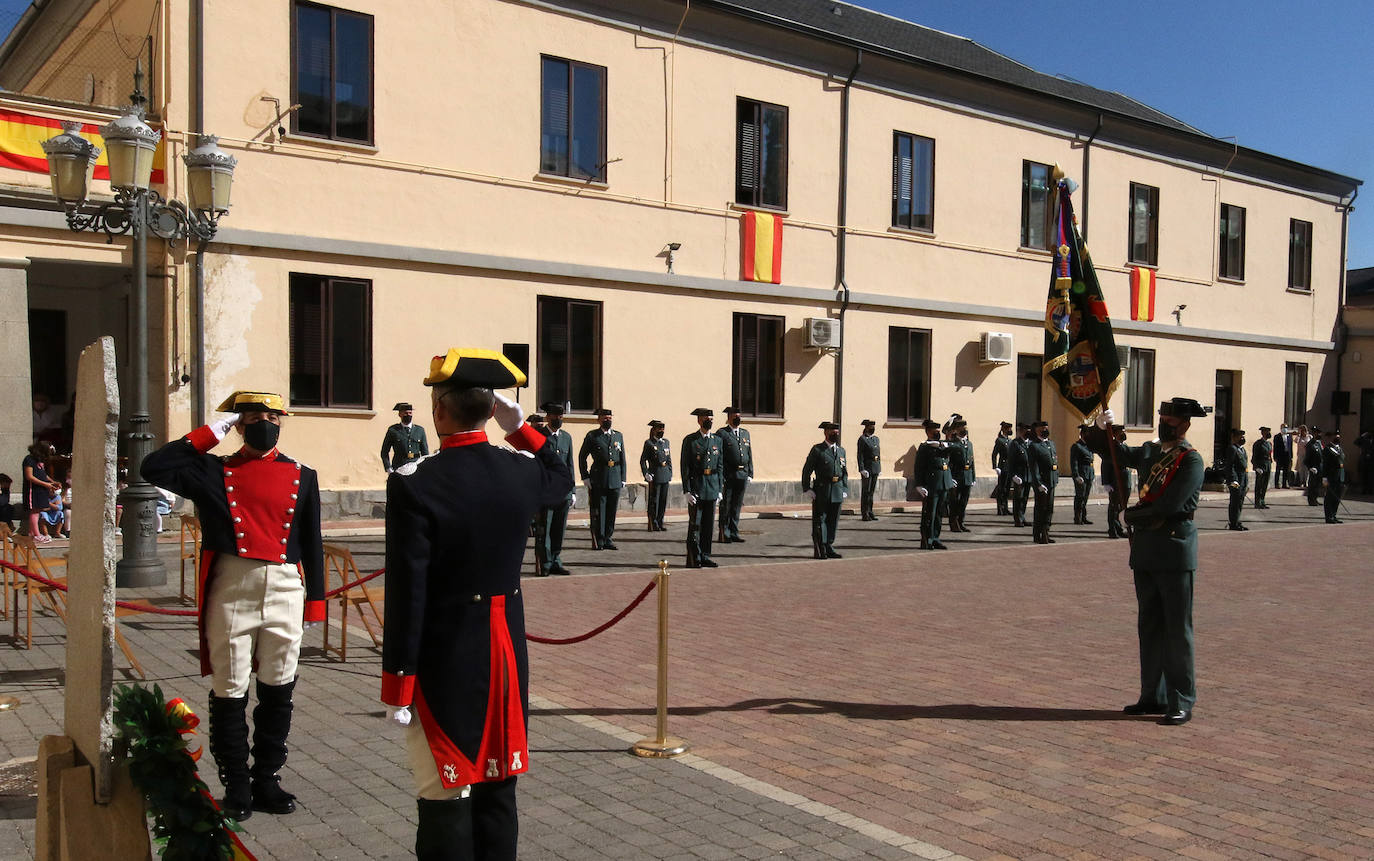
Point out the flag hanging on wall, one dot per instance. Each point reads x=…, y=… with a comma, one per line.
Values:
x=22, y=135
x=761, y=254
x=1080, y=351
x=1142, y=293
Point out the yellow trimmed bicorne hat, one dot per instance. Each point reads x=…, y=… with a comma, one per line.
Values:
x=474, y=369
x=241, y=401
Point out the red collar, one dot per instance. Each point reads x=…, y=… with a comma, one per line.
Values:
x=240, y=457
x=472, y=437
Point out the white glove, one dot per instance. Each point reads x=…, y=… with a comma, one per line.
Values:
x=922, y=492
x=1105, y=418
x=509, y=414
x=864, y=473
x=690, y=497
x=844, y=494
x=998, y=471
x=388, y=470
x=398, y=714
x=222, y=427
x=1313, y=471
x=810, y=495
x=1078, y=479
x=1235, y=485
x=748, y=479
x=1040, y=488
x=1016, y=480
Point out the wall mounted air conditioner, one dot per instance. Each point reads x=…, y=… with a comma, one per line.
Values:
x=995, y=348
x=822, y=332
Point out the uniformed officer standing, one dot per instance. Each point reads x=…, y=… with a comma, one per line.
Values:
x=656, y=463
x=404, y=441
x=1044, y=475
x=1164, y=559
x=825, y=482
x=1234, y=468
x=1018, y=464
x=1312, y=460
x=699, y=463
x=1333, y=473
x=962, y=471
x=1116, y=485
x=738, y=472
x=603, y=479
x=1262, y=460
x=869, y=451
x=1001, y=452
x=260, y=519
x=553, y=519
x=1081, y=467
x=455, y=620
x=933, y=483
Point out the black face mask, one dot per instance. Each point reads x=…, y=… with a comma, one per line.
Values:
x=832, y=437
x=261, y=435
x=656, y=433
x=1044, y=434
x=706, y=424
x=555, y=423
x=1167, y=432
x=606, y=424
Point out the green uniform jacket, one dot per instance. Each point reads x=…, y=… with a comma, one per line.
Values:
x=562, y=443
x=656, y=461
x=1262, y=455
x=826, y=473
x=1081, y=461
x=932, y=465
x=1235, y=467
x=1333, y=464
x=607, y=452
x=1312, y=458
x=966, y=476
x=700, y=465
x=1001, y=450
x=1044, y=463
x=870, y=454
x=738, y=456
x=1018, y=461
x=1164, y=535
x=403, y=445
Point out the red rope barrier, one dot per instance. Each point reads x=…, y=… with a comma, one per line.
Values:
x=552, y=641
x=128, y=605
x=360, y=581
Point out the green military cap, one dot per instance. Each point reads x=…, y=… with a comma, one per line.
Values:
x=474, y=369
x=263, y=402
x=702, y=411
x=1183, y=408
x=402, y=406
x=655, y=423
x=828, y=426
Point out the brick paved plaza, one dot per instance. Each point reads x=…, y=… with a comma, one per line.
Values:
x=891, y=704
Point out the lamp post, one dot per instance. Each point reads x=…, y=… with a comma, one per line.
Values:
x=138, y=210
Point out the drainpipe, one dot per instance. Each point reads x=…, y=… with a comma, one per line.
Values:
x=198, y=126
x=1342, y=331
x=1083, y=209
x=842, y=233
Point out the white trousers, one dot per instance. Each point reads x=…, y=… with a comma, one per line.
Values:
x=427, y=782
x=255, y=611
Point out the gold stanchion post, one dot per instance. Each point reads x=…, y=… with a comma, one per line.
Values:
x=662, y=744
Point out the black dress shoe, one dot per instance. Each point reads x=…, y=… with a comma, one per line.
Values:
x=1177, y=718
x=1144, y=709
x=1087, y=522
x=938, y=545
x=1335, y=520
x=737, y=540
x=609, y=545
x=542, y=573
x=831, y=554
x=1242, y=527
x=709, y=563
x=1049, y=540
x=559, y=571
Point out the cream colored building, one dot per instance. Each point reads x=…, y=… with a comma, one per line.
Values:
x=421, y=203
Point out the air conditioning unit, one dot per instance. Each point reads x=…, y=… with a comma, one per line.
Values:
x=995, y=348
x=1123, y=356
x=822, y=332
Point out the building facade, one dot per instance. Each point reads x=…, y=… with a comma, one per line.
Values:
x=662, y=204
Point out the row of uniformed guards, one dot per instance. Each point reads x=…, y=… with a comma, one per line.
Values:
x=604, y=447
x=1001, y=454
x=656, y=463
x=738, y=467
x=869, y=451
x=1235, y=469
x=551, y=523
x=825, y=480
x=700, y=466
x=933, y=483
x=1044, y=476
x=1081, y=468
x=1019, y=466
x=961, y=470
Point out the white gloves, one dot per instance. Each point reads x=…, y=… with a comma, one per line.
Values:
x=1105, y=418
x=400, y=715
x=1313, y=471
x=388, y=470
x=810, y=495
x=690, y=497
x=509, y=415
x=844, y=494
x=1016, y=480
x=1235, y=485
x=922, y=492
x=1040, y=488
x=864, y=473
x=998, y=471
x=1078, y=479
x=222, y=427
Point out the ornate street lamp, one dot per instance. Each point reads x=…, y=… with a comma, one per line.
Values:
x=138, y=210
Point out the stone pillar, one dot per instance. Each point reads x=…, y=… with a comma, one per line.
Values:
x=16, y=395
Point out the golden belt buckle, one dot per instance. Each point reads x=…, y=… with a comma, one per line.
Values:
x=834, y=478
x=706, y=472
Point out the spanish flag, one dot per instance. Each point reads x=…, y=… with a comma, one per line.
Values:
x=21, y=136
x=1142, y=293
x=761, y=255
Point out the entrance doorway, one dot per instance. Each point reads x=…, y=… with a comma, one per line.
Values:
x=1028, y=387
x=1224, y=413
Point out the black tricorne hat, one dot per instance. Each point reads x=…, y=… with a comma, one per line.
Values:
x=402, y=406
x=828, y=426
x=552, y=409
x=602, y=412
x=474, y=369
x=702, y=411
x=655, y=423
x=1183, y=408
x=930, y=424
x=868, y=423
x=730, y=410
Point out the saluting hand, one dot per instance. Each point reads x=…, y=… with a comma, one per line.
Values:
x=222, y=427
x=509, y=415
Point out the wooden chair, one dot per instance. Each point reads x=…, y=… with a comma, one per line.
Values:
x=190, y=552
x=6, y=575
x=339, y=560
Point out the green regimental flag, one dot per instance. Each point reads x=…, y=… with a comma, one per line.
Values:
x=1080, y=352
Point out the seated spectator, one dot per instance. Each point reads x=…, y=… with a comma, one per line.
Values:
x=6, y=508
x=165, y=500
x=50, y=519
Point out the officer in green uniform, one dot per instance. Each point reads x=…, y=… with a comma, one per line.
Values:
x=1164, y=558
x=965, y=478
x=738, y=472
x=1044, y=475
x=933, y=483
x=404, y=441
x=870, y=454
x=825, y=482
x=552, y=523
x=1333, y=473
x=1081, y=468
x=960, y=469
x=1116, y=484
x=656, y=462
x=1001, y=453
x=1018, y=463
x=1234, y=469
x=1262, y=461
x=1312, y=461
x=700, y=467
x=605, y=448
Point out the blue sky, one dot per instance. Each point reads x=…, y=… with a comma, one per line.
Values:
x=1292, y=79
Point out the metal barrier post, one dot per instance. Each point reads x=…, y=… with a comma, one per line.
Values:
x=662, y=745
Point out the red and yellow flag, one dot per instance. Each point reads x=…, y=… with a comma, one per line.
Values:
x=1142, y=293
x=761, y=255
x=22, y=135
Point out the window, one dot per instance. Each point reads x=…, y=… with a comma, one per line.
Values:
x=331, y=76
x=1140, y=388
x=1232, y=257
x=331, y=342
x=1036, y=206
x=1295, y=393
x=761, y=154
x=913, y=182
x=569, y=355
x=908, y=374
x=572, y=119
x=757, y=367
x=1299, y=255
x=1144, y=225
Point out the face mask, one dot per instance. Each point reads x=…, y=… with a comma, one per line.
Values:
x=605, y=424
x=832, y=437
x=1167, y=432
x=656, y=434
x=405, y=420
x=1044, y=434
x=261, y=435
x=706, y=424
x=555, y=423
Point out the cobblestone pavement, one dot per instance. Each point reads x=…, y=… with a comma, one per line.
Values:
x=892, y=704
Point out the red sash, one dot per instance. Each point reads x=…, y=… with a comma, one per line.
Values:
x=1161, y=474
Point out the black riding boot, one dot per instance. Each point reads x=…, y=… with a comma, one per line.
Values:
x=271, y=725
x=229, y=747
x=445, y=830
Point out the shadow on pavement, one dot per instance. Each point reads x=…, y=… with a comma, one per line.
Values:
x=867, y=711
